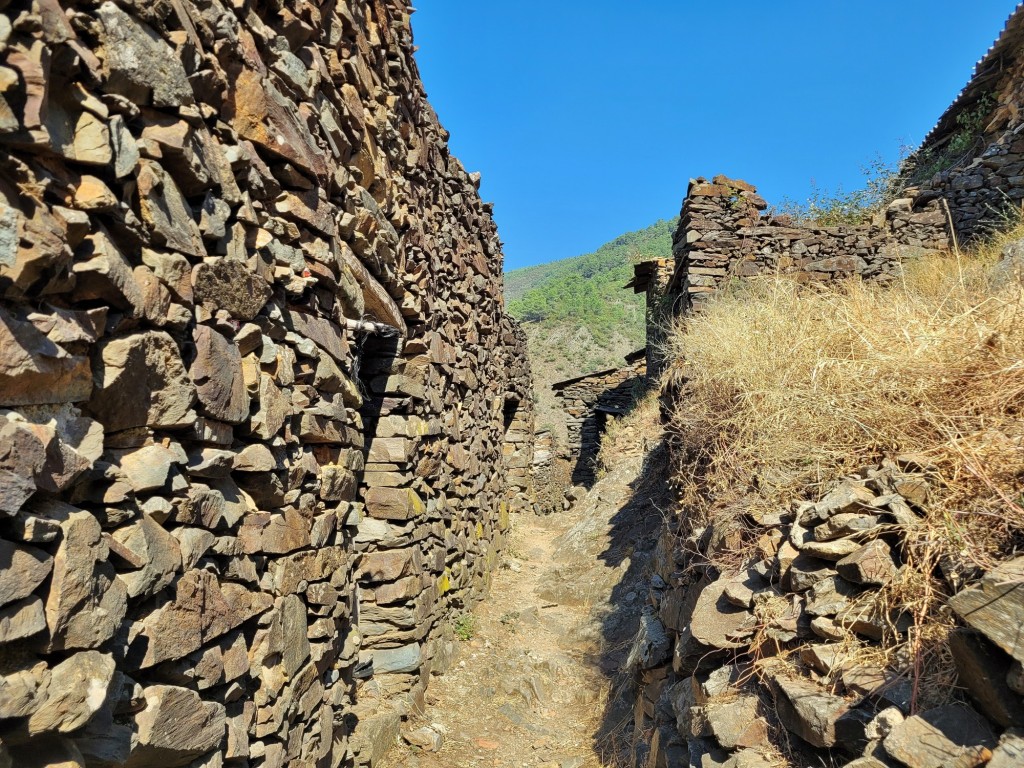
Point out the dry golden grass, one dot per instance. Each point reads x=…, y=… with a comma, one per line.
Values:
x=781, y=390
x=788, y=388
x=634, y=433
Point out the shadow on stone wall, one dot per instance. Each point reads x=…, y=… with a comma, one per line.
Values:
x=634, y=540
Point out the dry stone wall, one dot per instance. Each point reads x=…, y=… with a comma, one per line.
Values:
x=973, y=159
x=259, y=394
x=762, y=642
x=761, y=639
x=653, y=278
x=722, y=235
x=587, y=402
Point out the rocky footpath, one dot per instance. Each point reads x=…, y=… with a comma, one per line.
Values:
x=802, y=638
x=535, y=679
x=259, y=394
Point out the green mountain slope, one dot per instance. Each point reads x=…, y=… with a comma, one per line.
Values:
x=519, y=281
x=578, y=316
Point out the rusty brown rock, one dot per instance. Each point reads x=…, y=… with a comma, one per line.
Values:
x=141, y=381
x=78, y=688
x=86, y=601
x=22, y=619
x=389, y=564
x=262, y=115
x=203, y=609
x=175, y=727
x=35, y=370
x=216, y=372
x=23, y=453
x=158, y=551
x=393, y=503
x=166, y=212
x=274, y=534
x=272, y=411
x=22, y=569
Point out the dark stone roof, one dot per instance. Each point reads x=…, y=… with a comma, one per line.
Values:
x=987, y=71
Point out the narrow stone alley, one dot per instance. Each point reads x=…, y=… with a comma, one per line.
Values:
x=539, y=674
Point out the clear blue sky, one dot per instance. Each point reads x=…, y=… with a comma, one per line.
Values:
x=587, y=117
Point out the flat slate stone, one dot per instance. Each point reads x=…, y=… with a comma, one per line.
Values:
x=995, y=606
x=175, y=727
x=22, y=569
x=871, y=564
x=736, y=723
x=141, y=381
x=22, y=619
x=396, y=660
x=1010, y=752
x=716, y=622
x=393, y=503
x=78, y=688
x=982, y=669
x=953, y=736
x=808, y=710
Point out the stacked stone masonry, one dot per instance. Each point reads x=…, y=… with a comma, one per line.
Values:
x=762, y=628
x=259, y=394
x=779, y=648
x=543, y=455
x=973, y=159
x=722, y=235
x=588, y=401
x=652, y=278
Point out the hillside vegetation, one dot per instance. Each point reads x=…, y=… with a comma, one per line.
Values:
x=578, y=316
x=588, y=289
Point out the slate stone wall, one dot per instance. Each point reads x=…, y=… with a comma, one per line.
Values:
x=264, y=416
x=722, y=235
x=762, y=641
x=973, y=160
x=588, y=401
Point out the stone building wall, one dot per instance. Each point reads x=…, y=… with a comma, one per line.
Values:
x=973, y=159
x=722, y=235
x=587, y=402
x=259, y=394
x=652, y=278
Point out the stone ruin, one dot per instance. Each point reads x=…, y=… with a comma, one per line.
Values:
x=973, y=159
x=589, y=401
x=264, y=417
x=724, y=235
x=707, y=691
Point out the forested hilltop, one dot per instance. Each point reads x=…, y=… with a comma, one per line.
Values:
x=577, y=314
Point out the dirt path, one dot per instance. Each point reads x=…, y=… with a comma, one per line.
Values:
x=537, y=680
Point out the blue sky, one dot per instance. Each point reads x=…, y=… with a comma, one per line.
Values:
x=588, y=117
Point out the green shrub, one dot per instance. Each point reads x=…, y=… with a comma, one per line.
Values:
x=464, y=626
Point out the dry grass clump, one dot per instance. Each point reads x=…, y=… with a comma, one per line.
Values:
x=633, y=434
x=788, y=388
